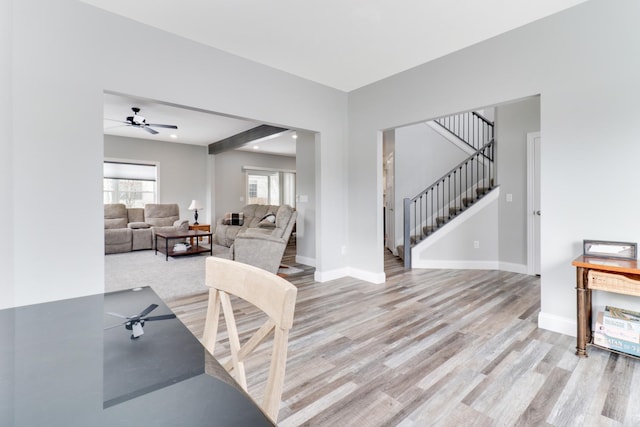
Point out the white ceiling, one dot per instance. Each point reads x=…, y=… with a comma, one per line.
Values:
x=344, y=44
x=194, y=127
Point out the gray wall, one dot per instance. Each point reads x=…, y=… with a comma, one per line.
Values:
x=182, y=169
x=230, y=184
x=579, y=61
x=306, y=188
x=65, y=54
x=514, y=121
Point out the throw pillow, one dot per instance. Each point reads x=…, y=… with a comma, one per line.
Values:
x=268, y=221
x=231, y=218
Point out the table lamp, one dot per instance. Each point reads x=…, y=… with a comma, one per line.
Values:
x=194, y=206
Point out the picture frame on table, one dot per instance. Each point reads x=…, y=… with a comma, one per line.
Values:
x=610, y=249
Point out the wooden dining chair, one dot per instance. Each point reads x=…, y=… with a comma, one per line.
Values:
x=271, y=294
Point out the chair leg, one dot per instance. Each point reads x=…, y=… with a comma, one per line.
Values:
x=275, y=382
x=234, y=341
x=211, y=321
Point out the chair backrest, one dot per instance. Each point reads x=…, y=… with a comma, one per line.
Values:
x=161, y=214
x=115, y=215
x=271, y=294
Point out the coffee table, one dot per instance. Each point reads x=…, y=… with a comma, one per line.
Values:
x=192, y=235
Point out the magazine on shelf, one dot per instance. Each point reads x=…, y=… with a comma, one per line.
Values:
x=616, y=344
x=181, y=247
x=615, y=331
x=621, y=318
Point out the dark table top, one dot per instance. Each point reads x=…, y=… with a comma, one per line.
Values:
x=60, y=366
x=180, y=234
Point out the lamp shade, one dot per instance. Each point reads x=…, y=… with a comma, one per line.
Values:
x=195, y=205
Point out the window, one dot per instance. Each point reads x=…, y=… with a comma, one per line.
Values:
x=129, y=183
x=271, y=187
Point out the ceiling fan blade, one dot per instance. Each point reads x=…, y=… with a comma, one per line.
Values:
x=117, y=315
x=162, y=126
x=116, y=126
x=151, y=131
x=114, y=326
x=148, y=310
x=119, y=121
x=160, y=317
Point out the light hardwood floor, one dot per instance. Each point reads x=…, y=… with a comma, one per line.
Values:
x=433, y=348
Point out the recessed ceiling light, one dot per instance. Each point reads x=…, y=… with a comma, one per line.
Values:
x=173, y=136
x=256, y=147
x=294, y=136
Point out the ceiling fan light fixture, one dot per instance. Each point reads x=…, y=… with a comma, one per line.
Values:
x=139, y=120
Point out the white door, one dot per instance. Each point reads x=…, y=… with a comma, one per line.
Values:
x=389, y=204
x=534, y=210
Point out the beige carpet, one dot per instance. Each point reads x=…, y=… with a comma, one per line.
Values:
x=170, y=279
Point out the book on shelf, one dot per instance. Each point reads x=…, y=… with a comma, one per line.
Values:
x=615, y=331
x=617, y=344
x=621, y=318
x=181, y=247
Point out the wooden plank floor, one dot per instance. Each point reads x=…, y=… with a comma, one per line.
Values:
x=433, y=348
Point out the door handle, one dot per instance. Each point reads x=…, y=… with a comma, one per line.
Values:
x=536, y=213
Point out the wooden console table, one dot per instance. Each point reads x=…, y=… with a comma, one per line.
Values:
x=625, y=269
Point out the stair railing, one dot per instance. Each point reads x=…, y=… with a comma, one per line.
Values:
x=471, y=128
x=447, y=197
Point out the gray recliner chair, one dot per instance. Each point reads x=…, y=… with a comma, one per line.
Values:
x=164, y=217
x=264, y=247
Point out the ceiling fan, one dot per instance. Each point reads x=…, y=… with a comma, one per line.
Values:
x=140, y=122
x=135, y=323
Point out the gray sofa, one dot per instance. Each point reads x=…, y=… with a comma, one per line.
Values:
x=131, y=229
x=257, y=242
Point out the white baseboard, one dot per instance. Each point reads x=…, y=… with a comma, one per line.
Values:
x=558, y=324
x=367, y=276
x=306, y=260
x=514, y=268
x=325, y=276
x=457, y=265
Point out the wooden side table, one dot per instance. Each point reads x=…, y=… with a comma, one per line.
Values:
x=584, y=286
x=201, y=227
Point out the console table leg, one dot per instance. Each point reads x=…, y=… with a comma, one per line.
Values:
x=581, y=308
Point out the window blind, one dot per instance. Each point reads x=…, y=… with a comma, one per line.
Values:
x=139, y=172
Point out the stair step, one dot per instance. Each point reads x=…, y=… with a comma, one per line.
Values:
x=468, y=201
x=454, y=211
x=481, y=191
x=428, y=229
x=441, y=220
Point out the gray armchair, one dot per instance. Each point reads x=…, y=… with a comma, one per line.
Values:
x=262, y=247
x=165, y=218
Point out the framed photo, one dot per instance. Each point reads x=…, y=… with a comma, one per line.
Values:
x=606, y=249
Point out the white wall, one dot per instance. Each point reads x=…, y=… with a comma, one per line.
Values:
x=182, y=170
x=230, y=183
x=6, y=159
x=422, y=156
x=65, y=55
x=579, y=61
x=513, y=122
x=306, y=189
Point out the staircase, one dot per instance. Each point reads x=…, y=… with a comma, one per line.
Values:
x=458, y=189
